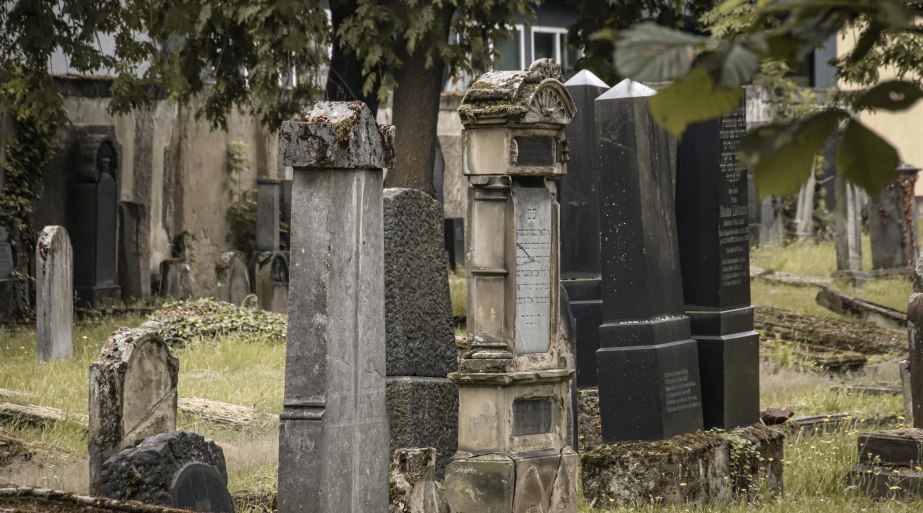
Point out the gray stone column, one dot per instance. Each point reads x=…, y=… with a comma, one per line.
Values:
x=54, y=289
x=847, y=219
x=268, y=209
x=333, y=433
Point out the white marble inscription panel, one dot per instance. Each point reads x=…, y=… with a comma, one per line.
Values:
x=533, y=220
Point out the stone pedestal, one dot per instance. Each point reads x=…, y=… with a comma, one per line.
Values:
x=893, y=224
x=714, y=246
x=333, y=432
x=515, y=380
x=647, y=363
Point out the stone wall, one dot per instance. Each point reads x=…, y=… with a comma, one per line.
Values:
x=174, y=165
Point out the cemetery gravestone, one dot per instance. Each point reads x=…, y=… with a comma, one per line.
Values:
x=134, y=252
x=848, y=230
x=647, y=362
x=514, y=433
x=579, y=198
x=420, y=338
x=915, y=323
x=272, y=280
x=6, y=254
x=232, y=279
x=132, y=395
x=333, y=432
x=54, y=302
x=455, y=241
x=712, y=221
x=94, y=218
x=893, y=224
x=268, y=210
x=175, y=469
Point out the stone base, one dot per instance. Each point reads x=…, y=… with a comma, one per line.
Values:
x=423, y=412
x=545, y=481
x=649, y=392
x=95, y=297
x=729, y=369
x=712, y=466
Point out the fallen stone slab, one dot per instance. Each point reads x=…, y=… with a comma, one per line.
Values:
x=797, y=280
x=860, y=309
x=837, y=422
x=16, y=395
x=869, y=389
x=828, y=332
x=22, y=499
x=38, y=416
x=822, y=357
x=221, y=413
x=710, y=466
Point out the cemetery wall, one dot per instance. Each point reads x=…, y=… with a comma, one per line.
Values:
x=173, y=164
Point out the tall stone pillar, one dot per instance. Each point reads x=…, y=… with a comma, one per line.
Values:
x=712, y=219
x=847, y=224
x=333, y=432
x=893, y=224
x=647, y=363
x=268, y=213
x=514, y=382
x=579, y=198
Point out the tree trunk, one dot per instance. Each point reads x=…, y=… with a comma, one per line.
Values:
x=415, y=115
x=345, y=78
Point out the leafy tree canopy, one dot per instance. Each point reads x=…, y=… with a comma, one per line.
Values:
x=707, y=73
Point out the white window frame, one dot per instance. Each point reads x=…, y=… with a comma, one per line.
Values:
x=558, y=31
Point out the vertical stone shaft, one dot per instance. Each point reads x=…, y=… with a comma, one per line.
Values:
x=268, y=210
x=893, y=223
x=579, y=199
x=848, y=226
x=54, y=302
x=647, y=364
x=713, y=231
x=333, y=433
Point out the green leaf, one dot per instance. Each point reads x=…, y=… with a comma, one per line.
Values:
x=692, y=98
x=865, y=159
x=734, y=65
x=891, y=95
x=650, y=53
x=783, y=154
x=892, y=13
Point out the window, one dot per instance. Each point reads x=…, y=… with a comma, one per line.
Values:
x=551, y=43
x=511, y=51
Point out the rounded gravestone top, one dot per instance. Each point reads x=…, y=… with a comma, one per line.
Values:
x=199, y=487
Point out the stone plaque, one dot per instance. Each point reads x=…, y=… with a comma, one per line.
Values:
x=6, y=255
x=535, y=151
x=733, y=230
x=533, y=269
x=199, y=487
x=533, y=416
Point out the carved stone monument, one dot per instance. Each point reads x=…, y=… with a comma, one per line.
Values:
x=333, y=432
x=515, y=408
x=647, y=363
x=132, y=395
x=579, y=198
x=54, y=289
x=94, y=217
x=712, y=220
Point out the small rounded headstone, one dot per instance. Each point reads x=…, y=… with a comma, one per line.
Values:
x=199, y=487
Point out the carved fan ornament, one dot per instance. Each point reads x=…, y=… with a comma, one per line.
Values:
x=547, y=105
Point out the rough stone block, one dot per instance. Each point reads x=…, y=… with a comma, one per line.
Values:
x=413, y=486
x=423, y=412
x=483, y=484
x=132, y=395
x=175, y=469
x=418, y=308
x=54, y=301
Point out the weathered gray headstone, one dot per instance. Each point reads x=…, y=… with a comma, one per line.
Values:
x=54, y=289
x=134, y=251
x=176, y=279
x=232, y=279
x=272, y=280
x=847, y=215
x=175, y=469
x=132, y=395
x=333, y=432
x=268, y=209
x=893, y=223
x=420, y=338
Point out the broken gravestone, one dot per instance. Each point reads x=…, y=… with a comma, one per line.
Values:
x=132, y=395
x=54, y=295
x=175, y=469
x=412, y=485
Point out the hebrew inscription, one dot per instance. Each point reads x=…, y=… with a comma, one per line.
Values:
x=533, y=269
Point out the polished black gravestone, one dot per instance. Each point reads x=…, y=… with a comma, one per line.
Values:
x=712, y=220
x=579, y=199
x=647, y=362
x=93, y=220
x=455, y=241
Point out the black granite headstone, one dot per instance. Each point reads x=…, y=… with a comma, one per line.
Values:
x=647, y=362
x=93, y=221
x=199, y=487
x=712, y=219
x=579, y=199
x=455, y=241
x=6, y=254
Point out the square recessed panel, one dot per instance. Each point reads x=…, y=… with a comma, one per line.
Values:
x=536, y=151
x=533, y=416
